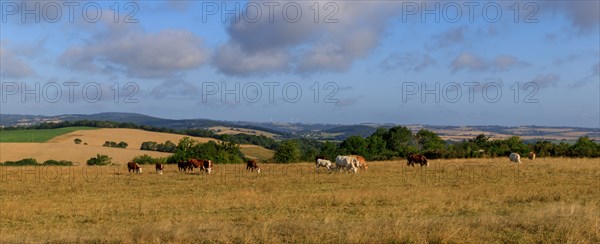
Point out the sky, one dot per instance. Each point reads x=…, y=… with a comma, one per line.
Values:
x=505, y=63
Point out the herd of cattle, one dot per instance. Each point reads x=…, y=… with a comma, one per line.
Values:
x=351, y=163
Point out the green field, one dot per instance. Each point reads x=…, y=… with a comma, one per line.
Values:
x=37, y=135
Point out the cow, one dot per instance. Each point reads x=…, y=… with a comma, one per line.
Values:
x=348, y=162
x=207, y=166
x=160, y=168
x=184, y=166
x=131, y=166
x=417, y=159
x=515, y=158
x=362, y=163
x=531, y=156
x=323, y=163
x=252, y=165
x=194, y=163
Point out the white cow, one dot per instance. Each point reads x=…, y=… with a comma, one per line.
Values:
x=350, y=163
x=323, y=163
x=515, y=158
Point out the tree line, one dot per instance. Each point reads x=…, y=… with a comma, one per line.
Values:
x=399, y=142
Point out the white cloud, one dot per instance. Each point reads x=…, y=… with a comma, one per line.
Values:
x=131, y=50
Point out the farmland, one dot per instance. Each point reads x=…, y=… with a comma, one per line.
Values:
x=550, y=200
x=37, y=135
x=62, y=147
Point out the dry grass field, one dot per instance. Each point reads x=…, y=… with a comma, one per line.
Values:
x=63, y=148
x=452, y=201
x=235, y=130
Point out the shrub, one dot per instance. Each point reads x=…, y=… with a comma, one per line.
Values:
x=99, y=160
x=58, y=163
x=77, y=141
x=22, y=162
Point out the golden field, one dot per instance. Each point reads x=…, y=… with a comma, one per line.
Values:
x=63, y=148
x=550, y=200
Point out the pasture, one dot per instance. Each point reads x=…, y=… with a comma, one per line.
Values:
x=550, y=200
x=37, y=135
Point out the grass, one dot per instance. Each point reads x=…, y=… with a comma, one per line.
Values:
x=42, y=135
x=452, y=201
x=257, y=152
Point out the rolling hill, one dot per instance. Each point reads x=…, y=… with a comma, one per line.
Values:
x=62, y=147
x=315, y=131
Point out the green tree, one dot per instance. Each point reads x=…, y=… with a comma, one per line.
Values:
x=430, y=143
x=399, y=140
x=329, y=150
x=288, y=152
x=99, y=160
x=354, y=145
x=584, y=147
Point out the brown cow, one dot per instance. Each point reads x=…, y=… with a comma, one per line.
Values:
x=204, y=165
x=160, y=168
x=362, y=163
x=207, y=166
x=252, y=165
x=417, y=159
x=184, y=166
x=131, y=166
x=531, y=156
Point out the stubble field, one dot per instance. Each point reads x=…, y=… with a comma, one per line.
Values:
x=453, y=201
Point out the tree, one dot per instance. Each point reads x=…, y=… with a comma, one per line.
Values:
x=584, y=147
x=329, y=150
x=288, y=152
x=399, y=139
x=354, y=145
x=77, y=141
x=99, y=160
x=430, y=143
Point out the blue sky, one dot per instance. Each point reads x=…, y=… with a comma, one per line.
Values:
x=403, y=62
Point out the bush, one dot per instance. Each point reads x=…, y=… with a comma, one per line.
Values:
x=22, y=162
x=99, y=160
x=77, y=141
x=57, y=163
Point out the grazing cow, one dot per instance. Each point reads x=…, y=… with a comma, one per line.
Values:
x=131, y=166
x=319, y=157
x=350, y=163
x=417, y=159
x=531, y=156
x=362, y=163
x=185, y=166
x=195, y=163
x=323, y=163
x=515, y=158
x=160, y=168
x=207, y=166
x=252, y=165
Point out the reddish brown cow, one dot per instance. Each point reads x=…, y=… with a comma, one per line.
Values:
x=252, y=165
x=160, y=168
x=131, y=166
x=417, y=159
x=204, y=165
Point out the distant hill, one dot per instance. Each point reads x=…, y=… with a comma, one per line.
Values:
x=316, y=131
